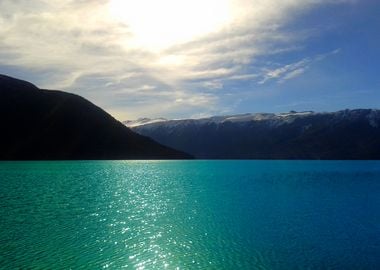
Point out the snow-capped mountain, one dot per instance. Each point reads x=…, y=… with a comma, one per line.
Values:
x=281, y=117
x=346, y=134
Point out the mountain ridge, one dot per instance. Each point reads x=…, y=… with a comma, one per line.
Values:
x=216, y=118
x=345, y=134
x=40, y=124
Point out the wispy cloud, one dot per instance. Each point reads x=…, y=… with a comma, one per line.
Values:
x=80, y=47
x=293, y=70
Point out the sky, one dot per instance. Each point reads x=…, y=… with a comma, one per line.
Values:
x=197, y=58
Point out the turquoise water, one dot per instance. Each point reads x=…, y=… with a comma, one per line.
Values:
x=190, y=215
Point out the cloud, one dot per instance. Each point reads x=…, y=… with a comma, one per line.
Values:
x=286, y=72
x=293, y=74
x=293, y=70
x=79, y=47
x=213, y=85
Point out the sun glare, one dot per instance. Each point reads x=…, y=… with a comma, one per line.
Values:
x=158, y=24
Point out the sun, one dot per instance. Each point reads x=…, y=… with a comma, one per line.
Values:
x=159, y=24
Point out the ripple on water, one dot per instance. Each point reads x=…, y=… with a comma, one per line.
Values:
x=189, y=215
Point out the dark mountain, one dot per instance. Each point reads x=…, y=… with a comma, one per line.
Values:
x=347, y=134
x=41, y=124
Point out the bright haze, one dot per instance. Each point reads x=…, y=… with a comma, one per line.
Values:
x=194, y=58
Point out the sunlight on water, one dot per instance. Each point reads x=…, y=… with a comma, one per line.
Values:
x=189, y=215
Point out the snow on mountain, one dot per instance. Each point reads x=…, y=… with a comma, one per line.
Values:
x=345, y=134
x=240, y=118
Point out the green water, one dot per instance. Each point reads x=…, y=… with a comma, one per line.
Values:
x=190, y=215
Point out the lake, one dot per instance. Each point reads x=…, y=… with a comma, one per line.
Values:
x=190, y=215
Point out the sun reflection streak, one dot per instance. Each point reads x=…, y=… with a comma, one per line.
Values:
x=145, y=209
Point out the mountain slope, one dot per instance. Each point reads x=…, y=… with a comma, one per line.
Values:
x=347, y=134
x=44, y=124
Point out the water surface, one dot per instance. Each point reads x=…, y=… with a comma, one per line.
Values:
x=190, y=215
